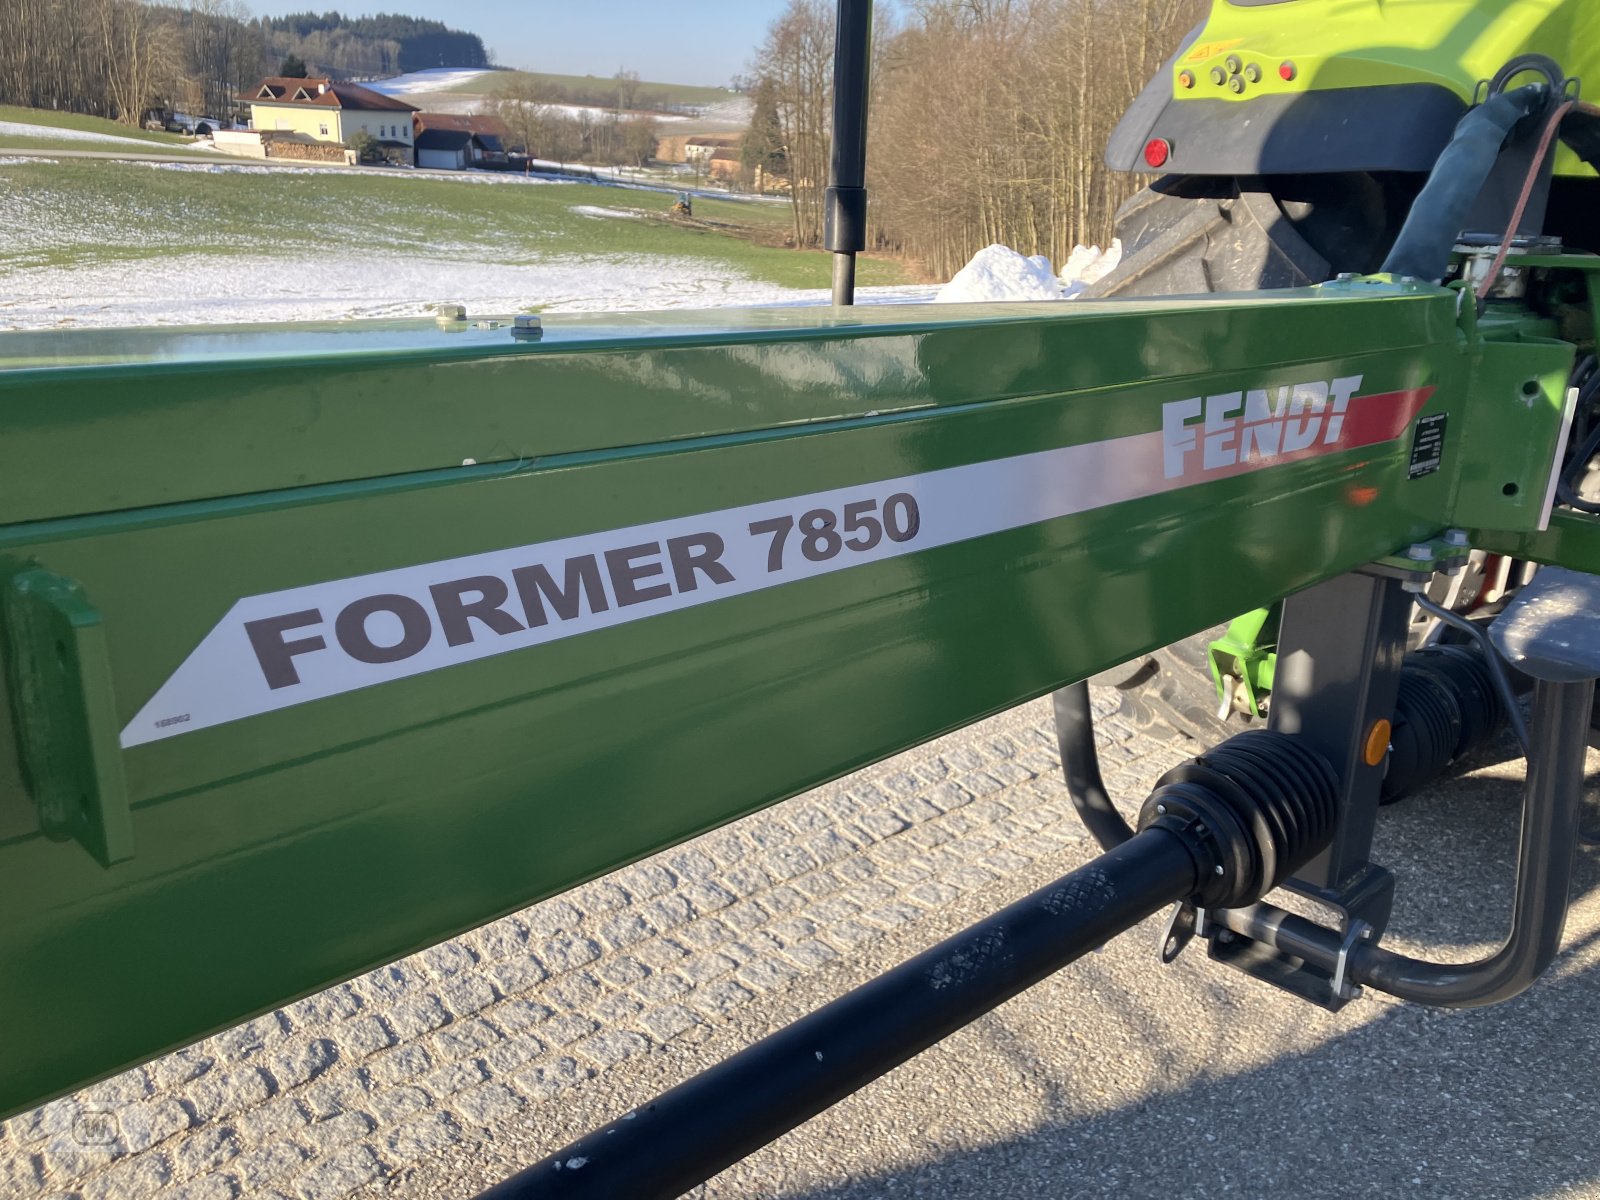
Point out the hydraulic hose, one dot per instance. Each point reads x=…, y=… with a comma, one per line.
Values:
x=1080, y=764
x=1429, y=234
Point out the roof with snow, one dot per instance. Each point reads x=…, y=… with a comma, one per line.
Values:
x=317, y=92
x=462, y=123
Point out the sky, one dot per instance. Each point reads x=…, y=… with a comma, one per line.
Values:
x=690, y=41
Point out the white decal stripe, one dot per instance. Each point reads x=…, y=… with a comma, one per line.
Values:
x=223, y=680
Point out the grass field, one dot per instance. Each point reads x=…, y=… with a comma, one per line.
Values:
x=672, y=93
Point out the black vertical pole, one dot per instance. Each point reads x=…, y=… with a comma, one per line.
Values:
x=845, y=212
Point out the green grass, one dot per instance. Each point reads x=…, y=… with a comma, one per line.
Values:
x=47, y=120
x=81, y=211
x=672, y=93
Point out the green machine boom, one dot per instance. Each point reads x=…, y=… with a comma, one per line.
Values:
x=322, y=643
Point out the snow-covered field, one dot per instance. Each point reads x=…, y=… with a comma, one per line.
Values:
x=209, y=288
x=417, y=82
x=22, y=129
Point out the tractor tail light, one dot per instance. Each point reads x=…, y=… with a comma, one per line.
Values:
x=1157, y=151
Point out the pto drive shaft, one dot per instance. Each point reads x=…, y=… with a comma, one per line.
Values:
x=1228, y=833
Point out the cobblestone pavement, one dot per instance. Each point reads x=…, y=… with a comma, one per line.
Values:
x=444, y=1072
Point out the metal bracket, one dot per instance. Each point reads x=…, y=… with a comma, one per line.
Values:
x=66, y=713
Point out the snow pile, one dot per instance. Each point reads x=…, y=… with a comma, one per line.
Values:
x=595, y=210
x=1000, y=273
x=1087, y=265
x=17, y=160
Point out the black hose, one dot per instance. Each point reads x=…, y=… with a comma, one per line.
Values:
x=1431, y=228
x=1080, y=764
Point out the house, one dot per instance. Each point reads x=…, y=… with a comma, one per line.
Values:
x=324, y=111
x=455, y=141
x=702, y=150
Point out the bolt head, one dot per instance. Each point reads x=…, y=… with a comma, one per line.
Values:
x=1419, y=552
x=1217, y=870
x=1161, y=808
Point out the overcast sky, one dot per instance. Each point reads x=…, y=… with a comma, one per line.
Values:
x=687, y=41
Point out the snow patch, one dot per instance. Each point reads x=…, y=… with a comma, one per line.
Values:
x=25, y=130
x=17, y=160
x=438, y=79
x=594, y=210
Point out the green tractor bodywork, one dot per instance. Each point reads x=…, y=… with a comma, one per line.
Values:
x=1374, y=85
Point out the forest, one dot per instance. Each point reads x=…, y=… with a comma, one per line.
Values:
x=988, y=119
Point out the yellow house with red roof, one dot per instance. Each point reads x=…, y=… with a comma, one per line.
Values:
x=326, y=111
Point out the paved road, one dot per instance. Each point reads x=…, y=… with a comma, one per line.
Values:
x=440, y=1074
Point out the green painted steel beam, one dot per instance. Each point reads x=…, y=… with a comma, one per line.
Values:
x=399, y=629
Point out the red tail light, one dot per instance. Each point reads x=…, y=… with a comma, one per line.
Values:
x=1157, y=151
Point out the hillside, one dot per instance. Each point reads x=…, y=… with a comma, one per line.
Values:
x=386, y=44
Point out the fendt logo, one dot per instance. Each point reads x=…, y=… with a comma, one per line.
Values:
x=1255, y=426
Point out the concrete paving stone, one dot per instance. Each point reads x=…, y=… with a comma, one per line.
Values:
x=833, y=909
x=720, y=997
x=362, y=1037
x=567, y=951
x=660, y=987
x=931, y=894
x=902, y=783
x=792, y=930
x=69, y=1158
x=784, y=899
x=220, y=1095
x=690, y=864
x=253, y=1037
x=388, y=985
x=871, y=893
x=901, y=850
x=398, y=1064
x=557, y=915
x=828, y=847
x=625, y=929
x=767, y=831
x=648, y=880
x=840, y=805
x=487, y=1105
x=668, y=1021
x=612, y=1046
x=846, y=935
x=908, y=874
x=1005, y=861
x=811, y=953
x=810, y=820
x=968, y=877
x=601, y=897
x=121, y=1089
x=747, y=879
x=915, y=810
x=981, y=784
x=726, y=847
x=744, y=916
x=881, y=823
x=511, y=1054
x=617, y=1007
x=574, y=992
x=300, y=1064
x=138, y=1176
x=705, y=967
x=466, y=995
x=706, y=895
x=338, y=1003
x=518, y=974
x=447, y=959
x=340, y=1174
x=518, y=1014
x=931, y=769
x=462, y=1039
x=325, y=1137
x=550, y=1078
x=391, y=1105
x=964, y=758
x=565, y=1030
x=341, y=1092
x=444, y=1082
x=785, y=862
x=277, y=1163
x=203, y=1151
x=277, y=1119
x=501, y=939
x=816, y=884
x=667, y=913
x=893, y=914
x=417, y=1015
x=426, y=1134
x=207, y=1187
x=151, y=1122
x=660, y=953
x=179, y=1067
x=764, y=974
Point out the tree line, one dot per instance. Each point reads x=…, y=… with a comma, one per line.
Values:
x=558, y=124
x=988, y=119
x=123, y=58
